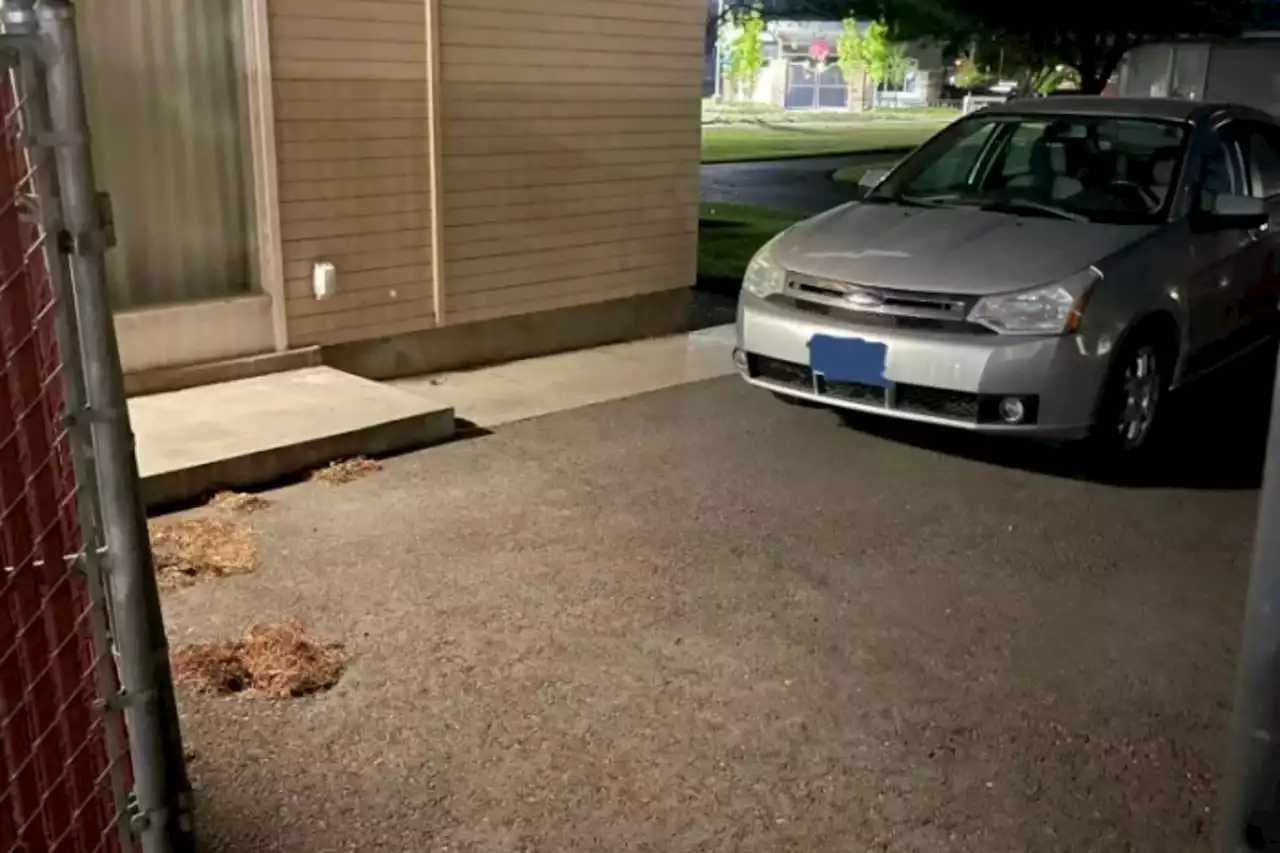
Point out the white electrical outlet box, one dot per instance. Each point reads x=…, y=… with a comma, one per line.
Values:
x=324, y=279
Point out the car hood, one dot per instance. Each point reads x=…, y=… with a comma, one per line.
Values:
x=964, y=251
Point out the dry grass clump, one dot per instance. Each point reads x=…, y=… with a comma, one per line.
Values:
x=193, y=549
x=271, y=661
x=239, y=503
x=346, y=471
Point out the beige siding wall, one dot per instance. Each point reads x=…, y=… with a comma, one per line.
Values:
x=568, y=163
x=351, y=123
x=570, y=148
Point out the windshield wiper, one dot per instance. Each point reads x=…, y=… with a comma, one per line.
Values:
x=1016, y=204
x=915, y=200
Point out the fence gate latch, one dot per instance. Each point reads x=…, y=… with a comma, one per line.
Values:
x=95, y=241
x=107, y=218
x=141, y=821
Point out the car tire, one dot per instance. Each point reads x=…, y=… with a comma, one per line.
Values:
x=1129, y=422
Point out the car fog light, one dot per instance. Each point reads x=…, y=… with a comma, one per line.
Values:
x=1012, y=410
x=740, y=360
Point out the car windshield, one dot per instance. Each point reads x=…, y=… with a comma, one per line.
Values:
x=1082, y=168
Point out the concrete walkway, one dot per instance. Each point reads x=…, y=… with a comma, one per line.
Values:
x=526, y=389
x=255, y=431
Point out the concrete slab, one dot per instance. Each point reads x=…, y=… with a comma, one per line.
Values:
x=254, y=431
x=540, y=386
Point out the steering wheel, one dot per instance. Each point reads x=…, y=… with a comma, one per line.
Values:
x=1147, y=194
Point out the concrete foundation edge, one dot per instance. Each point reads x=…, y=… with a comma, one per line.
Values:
x=278, y=463
x=162, y=379
x=510, y=338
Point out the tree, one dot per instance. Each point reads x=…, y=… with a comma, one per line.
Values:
x=851, y=59
x=745, y=50
x=883, y=58
x=969, y=75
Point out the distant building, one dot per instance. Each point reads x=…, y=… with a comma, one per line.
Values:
x=795, y=79
x=1244, y=70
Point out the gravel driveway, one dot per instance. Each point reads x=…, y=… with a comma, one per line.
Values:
x=701, y=620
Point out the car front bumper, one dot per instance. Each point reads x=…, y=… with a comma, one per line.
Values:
x=954, y=379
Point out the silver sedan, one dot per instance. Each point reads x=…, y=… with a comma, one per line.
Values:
x=1048, y=268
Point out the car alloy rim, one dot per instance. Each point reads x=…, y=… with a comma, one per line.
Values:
x=1141, y=392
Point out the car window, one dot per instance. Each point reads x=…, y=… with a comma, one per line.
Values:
x=1220, y=170
x=1261, y=144
x=1016, y=155
x=1098, y=168
x=955, y=168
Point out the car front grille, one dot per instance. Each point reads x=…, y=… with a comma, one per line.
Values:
x=781, y=372
x=881, y=307
x=883, y=321
x=955, y=405
x=854, y=392
x=958, y=406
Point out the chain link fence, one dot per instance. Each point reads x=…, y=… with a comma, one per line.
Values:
x=90, y=753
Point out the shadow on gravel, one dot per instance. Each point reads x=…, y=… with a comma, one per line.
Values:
x=1215, y=437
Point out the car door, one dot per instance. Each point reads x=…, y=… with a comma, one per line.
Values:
x=1255, y=283
x=1211, y=288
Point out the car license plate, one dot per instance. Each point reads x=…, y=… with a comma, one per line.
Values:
x=848, y=360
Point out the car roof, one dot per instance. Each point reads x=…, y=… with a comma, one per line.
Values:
x=1169, y=109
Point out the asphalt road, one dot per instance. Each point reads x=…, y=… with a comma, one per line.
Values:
x=702, y=620
x=802, y=184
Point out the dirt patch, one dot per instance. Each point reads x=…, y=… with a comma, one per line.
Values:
x=271, y=661
x=194, y=549
x=239, y=503
x=346, y=471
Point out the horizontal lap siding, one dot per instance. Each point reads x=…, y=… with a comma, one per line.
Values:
x=570, y=142
x=351, y=108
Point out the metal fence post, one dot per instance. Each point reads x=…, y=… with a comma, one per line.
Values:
x=33, y=116
x=1250, y=817
x=162, y=820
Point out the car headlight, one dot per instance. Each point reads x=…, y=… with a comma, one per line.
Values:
x=1053, y=309
x=764, y=276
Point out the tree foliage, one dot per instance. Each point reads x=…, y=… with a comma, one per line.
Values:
x=883, y=57
x=745, y=49
x=850, y=48
x=969, y=74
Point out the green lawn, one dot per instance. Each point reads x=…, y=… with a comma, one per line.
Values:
x=728, y=236
x=728, y=144
x=728, y=113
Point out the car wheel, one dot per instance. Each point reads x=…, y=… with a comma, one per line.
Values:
x=1129, y=417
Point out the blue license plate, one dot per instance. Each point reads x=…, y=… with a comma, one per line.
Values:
x=848, y=360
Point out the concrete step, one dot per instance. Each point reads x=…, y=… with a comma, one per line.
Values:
x=162, y=379
x=254, y=431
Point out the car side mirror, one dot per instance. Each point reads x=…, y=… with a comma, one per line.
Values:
x=1236, y=211
x=871, y=177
